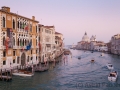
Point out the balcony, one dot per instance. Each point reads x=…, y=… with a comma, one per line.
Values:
x=15, y=47
x=3, y=47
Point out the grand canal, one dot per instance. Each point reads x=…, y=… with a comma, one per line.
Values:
x=71, y=74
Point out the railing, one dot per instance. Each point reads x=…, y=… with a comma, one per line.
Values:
x=15, y=47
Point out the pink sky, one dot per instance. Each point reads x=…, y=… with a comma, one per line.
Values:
x=73, y=17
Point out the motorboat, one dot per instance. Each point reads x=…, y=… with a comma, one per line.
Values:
x=113, y=76
x=110, y=66
x=41, y=68
x=91, y=51
x=92, y=60
x=102, y=54
x=79, y=57
x=22, y=73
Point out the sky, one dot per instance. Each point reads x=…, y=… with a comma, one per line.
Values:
x=72, y=18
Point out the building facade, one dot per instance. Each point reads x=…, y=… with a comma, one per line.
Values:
x=23, y=41
x=58, y=43
x=47, y=39
x=18, y=39
x=115, y=44
x=91, y=44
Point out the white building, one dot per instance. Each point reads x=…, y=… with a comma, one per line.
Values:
x=85, y=38
x=115, y=44
x=91, y=44
x=86, y=42
x=47, y=42
x=59, y=43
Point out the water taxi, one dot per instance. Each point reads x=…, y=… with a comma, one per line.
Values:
x=113, y=76
x=110, y=66
x=22, y=73
x=79, y=57
x=92, y=60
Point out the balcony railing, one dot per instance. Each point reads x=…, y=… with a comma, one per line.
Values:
x=15, y=47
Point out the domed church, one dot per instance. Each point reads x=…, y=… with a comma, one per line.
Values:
x=85, y=38
x=93, y=38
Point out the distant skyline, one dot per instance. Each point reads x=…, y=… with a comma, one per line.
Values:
x=72, y=18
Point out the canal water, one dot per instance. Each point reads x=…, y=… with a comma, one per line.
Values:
x=71, y=74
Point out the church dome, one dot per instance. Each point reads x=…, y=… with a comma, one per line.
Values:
x=85, y=37
x=93, y=38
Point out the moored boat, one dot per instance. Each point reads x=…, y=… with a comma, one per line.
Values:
x=41, y=68
x=113, y=76
x=22, y=73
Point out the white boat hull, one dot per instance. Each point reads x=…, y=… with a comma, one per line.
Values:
x=111, y=78
x=22, y=74
x=110, y=68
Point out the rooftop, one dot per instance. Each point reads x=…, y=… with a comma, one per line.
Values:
x=57, y=33
x=7, y=10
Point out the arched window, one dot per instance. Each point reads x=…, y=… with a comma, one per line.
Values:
x=31, y=41
x=13, y=24
x=36, y=29
x=3, y=21
x=30, y=27
x=13, y=41
x=3, y=40
x=39, y=39
x=18, y=60
x=18, y=24
x=23, y=26
x=27, y=42
x=36, y=42
x=28, y=59
x=18, y=41
x=23, y=42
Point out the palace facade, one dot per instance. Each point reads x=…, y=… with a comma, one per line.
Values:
x=23, y=41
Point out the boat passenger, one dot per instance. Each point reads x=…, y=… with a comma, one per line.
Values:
x=110, y=74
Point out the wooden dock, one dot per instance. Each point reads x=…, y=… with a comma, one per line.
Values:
x=5, y=78
x=5, y=75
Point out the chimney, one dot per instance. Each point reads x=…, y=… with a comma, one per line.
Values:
x=7, y=9
x=33, y=17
